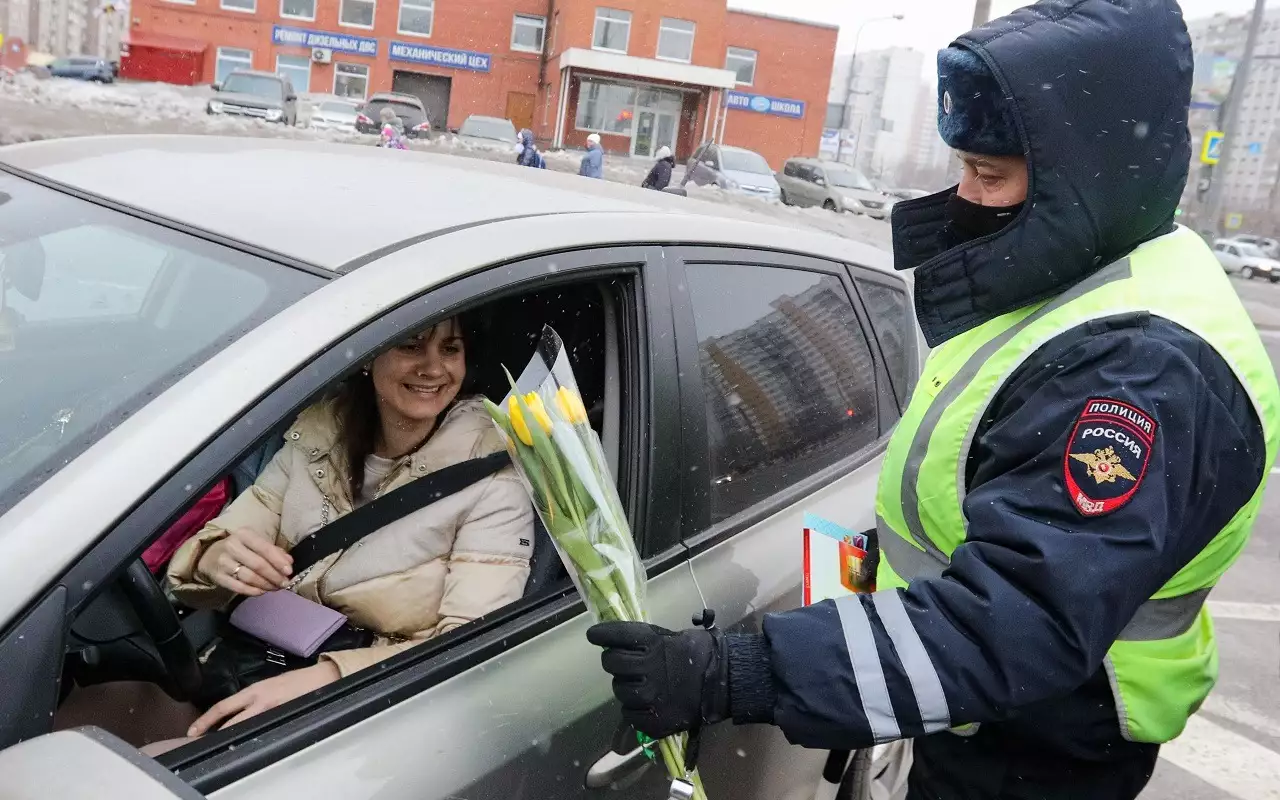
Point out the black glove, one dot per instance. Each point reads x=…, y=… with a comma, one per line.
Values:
x=667, y=682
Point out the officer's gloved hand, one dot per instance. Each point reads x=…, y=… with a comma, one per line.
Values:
x=667, y=682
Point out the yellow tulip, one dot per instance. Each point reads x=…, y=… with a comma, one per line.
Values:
x=570, y=405
x=517, y=422
x=534, y=402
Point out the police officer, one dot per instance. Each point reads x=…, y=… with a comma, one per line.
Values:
x=1082, y=460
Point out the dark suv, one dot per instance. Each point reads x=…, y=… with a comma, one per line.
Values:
x=249, y=93
x=412, y=114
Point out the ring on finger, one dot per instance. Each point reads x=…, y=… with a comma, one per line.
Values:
x=236, y=572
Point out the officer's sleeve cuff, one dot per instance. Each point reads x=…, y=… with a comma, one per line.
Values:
x=751, y=693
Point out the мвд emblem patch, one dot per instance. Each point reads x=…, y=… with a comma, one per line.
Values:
x=1107, y=455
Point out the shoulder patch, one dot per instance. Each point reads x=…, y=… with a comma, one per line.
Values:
x=1107, y=455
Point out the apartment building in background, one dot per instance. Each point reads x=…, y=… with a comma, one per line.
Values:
x=883, y=108
x=641, y=73
x=17, y=19
x=65, y=27
x=1250, y=188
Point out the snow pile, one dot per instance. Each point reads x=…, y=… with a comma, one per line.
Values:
x=847, y=225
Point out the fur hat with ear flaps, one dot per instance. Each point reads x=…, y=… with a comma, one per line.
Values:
x=972, y=113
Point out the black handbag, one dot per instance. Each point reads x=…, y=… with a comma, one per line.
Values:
x=235, y=660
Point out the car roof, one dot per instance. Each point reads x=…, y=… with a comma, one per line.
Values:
x=395, y=96
x=736, y=149
x=309, y=201
x=261, y=73
x=485, y=118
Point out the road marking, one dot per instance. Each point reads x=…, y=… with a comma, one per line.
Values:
x=1256, y=612
x=1225, y=760
x=1241, y=713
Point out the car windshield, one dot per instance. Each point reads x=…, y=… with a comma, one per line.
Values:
x=489, y=128
x=744, y=161
x=409, y=113
x=338, y=108
x=99, y=313
x=257, y=85
x=849, y=179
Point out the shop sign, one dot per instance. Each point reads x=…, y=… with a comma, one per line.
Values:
x=778, y=106
x=337, y=42
x=441, y=57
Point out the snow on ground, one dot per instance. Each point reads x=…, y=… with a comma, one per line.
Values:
x=32, y=109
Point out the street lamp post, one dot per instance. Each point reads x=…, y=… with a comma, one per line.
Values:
x=848, y=87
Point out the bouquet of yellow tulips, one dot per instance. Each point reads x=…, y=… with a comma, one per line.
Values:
x=563, y=466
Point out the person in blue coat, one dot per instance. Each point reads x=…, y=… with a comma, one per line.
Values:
x=1070, y=118
x=592, y=165
x=527, y=154
x=659, y=176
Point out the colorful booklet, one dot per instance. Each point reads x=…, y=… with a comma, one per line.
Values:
x=835, y=561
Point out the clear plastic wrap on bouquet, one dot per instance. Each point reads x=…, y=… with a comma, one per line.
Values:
x=563, y=466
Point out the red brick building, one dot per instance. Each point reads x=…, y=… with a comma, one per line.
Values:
x=641, y=73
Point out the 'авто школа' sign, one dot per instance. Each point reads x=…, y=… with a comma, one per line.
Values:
x=441, y=57
x=337, y=42
x=760, y=104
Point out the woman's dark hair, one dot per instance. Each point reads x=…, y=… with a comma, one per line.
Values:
x=356, y=407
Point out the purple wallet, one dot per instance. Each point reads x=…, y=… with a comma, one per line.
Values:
x=288, y=621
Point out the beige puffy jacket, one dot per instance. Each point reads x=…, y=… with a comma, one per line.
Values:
x=419, y=577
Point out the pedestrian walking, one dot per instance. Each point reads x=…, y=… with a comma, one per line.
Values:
x=392, y=135
x=1054, y=505
x=527, y=154
x=659, y=176
x=592, y=165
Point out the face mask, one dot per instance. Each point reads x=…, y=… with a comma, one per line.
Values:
x=967, y=221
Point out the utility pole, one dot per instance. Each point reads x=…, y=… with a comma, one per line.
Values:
x=1235, y=99
x=981, y=12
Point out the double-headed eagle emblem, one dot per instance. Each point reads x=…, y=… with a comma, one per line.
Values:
x=1104, y=465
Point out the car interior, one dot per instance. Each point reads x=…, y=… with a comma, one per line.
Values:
x=133, y=657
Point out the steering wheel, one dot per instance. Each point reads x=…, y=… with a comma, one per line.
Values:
x=160, y=622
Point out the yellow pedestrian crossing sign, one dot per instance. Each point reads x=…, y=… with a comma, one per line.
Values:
x=1211, y=153
x=1235, y=222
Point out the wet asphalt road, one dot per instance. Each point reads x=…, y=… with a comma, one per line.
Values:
x=1232, y=749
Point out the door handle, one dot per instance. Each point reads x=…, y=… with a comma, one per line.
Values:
x=613, y=767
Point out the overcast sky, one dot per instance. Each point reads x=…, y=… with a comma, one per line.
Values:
x=928, y=25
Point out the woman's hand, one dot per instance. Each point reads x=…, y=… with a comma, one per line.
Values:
x=264, y=696
x=247, y=564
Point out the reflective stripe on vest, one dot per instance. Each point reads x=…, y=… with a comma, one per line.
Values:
x=1164, y=661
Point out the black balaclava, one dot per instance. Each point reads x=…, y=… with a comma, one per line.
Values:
x=967, y=221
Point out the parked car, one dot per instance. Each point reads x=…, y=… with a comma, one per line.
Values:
x=733, y=169
x=488, y=131
x=408, y=107
x=249, y=93
x=832, y=185
x=200, y=322
x=1246, y=259
x=1269, y=247
x=334, y=114
x=85, y=68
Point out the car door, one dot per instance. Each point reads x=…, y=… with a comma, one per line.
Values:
x=1234, y=258
x=787, y=402
x=514, y=704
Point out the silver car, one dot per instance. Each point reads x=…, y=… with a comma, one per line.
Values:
x=733, y=169
x=1246, y=259
x=832, y=185
x=161, y=336
x=334, y=114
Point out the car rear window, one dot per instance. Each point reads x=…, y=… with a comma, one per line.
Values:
x=99, y=313
x=410, y=114
x=499, y=129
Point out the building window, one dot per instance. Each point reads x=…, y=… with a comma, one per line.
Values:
x=357, y=13
x=417, y=17
x=675, y=40
x=249, y=6
x=229, y=60
x=351, y=80
x=613, y=30
x=527, y=33
x=743, y=63
x=298, y=9
x=787, y=375
x=605, y=108
x=297, y=69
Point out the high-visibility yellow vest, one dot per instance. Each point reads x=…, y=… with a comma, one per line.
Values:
x=1165, y=661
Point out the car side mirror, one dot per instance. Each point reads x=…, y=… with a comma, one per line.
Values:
x=37, y=768
x=289, y=98
x=217, y=86
x=820, y=181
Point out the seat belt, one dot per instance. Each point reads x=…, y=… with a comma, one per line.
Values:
x=382, y=511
